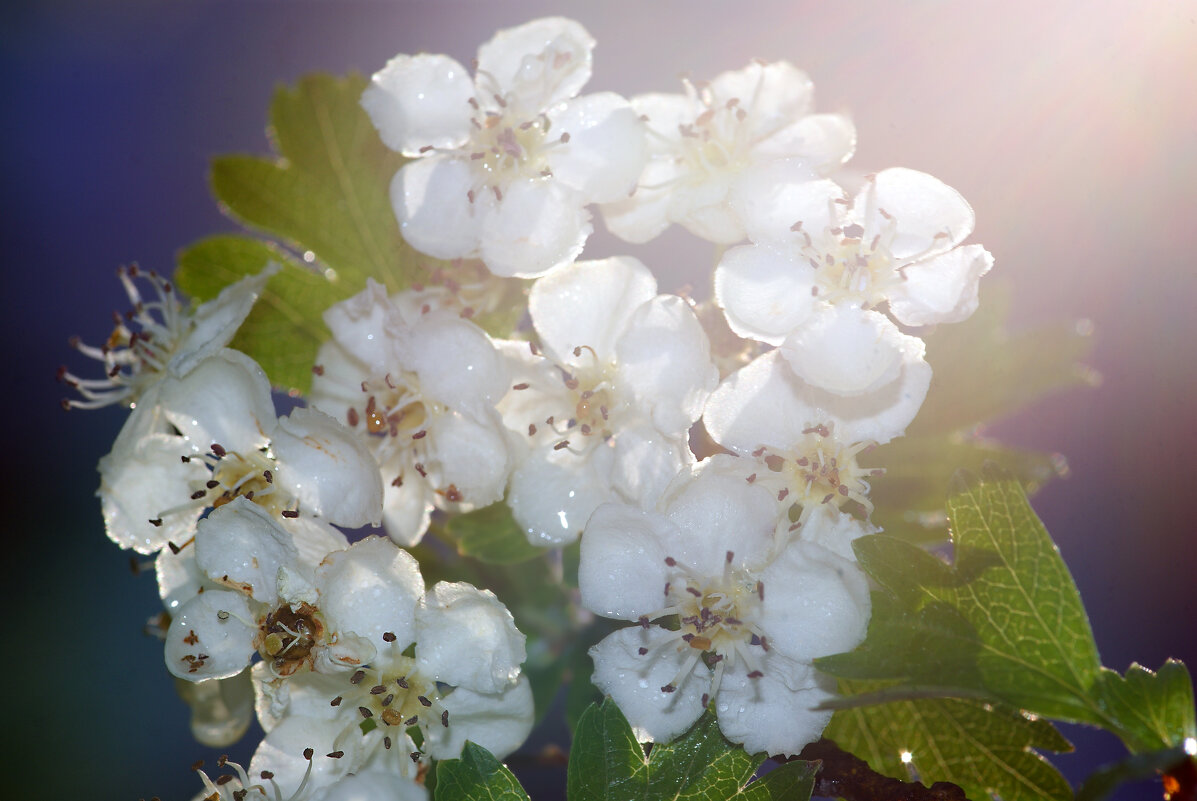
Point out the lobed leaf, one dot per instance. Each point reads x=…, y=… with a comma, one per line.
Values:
x=476, y=776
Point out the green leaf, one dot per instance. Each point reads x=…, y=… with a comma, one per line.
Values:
x=909, y=497
x=490, y=535
x=477, y=776
x=1003, y=624
x=608, y=764
x=982, y=372
x=284, y=330
x=984, y=749
x=1155, y=709
x=328, y=192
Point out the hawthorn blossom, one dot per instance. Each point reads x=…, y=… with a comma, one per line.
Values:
x=446, y=661
x=606, y=401
x=211, y=435
x=160, y=336
x=703, y=142
x=822, y=264
x=805, y=444
x=751, y=613
x=418, y=387
x=361, y=786
x=504, y=164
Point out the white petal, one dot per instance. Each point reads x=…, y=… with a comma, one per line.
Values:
x=538, y=225
x=215, y=322
x=816, y=603
x=370, y=785
x=431, y=198
x=471, y=455
x=774, y=713
x=644, y=214
x=773, y=199
x=455, y=361
x=327, y=469
x=764, y=293
x=622, y=571
x=314, y=539
x=822, y=141
x=499, y=722
x=240, y=546
x=718, y=511
x=420, y=101
x=773, y=94
x=606, y=149
x=139, y=482
x=665, y=359
x=588, y=303
x=370, y=589
x=942, y=289
x=834, y=530
x=705, y=209
x=281, y=753
x=465, y=637
x=634, y=680
x=541, y=63
x=358, y=325
x=930, y=216
x=338, y=385
x=224, y=400
x=179, y=579
x=211, y=636
x=645, y=462
x=407, y=508
x=553, y=493
x=845, y=350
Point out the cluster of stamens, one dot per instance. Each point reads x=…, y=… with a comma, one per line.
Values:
x=592, y=398
x=817, y=470
x=715, y=618
x=288, y=636
x=130, y=353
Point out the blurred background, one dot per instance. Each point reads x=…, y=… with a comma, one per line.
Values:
x=1071, y=128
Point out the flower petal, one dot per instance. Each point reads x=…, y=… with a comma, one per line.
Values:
x=455, y=360
x=928, y=216
x=553, y=493
x=139, y=482
x=281, y=753
x=772, y=94
x=240, y=546
x=764, y=293
x=775, y=198
x=622, y=571
x=822, y=141
x=431, y=198
x=221, y=709
x=942, y=289
x=358, y=326
x=816, y=603
x=845, y=350
x=645, y=213
x=588, y=303
x=499, y=722
x=372, y=588
x=465, y=637
x=774, y=713
x=538, y=225
x=471, y=455
x=420, y=101
x=211, y=636
x=215, y=322
x=223, y=400
x=633, y=664
x=606, y=147
x=327, y=469
x=540, y=63
x=664, y=358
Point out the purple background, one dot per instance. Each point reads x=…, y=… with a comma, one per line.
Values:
x=1070, y=127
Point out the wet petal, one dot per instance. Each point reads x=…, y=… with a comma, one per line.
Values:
x=774, y=713
x=142, y=481
x=928, y=215
x=845, y=350
x=540, y=63
x=499, y=722
x=764, y=292
x=431, y=198
x=372, y=588
x=552, y=494
x=240, y=546
x=211, y=637
x=606, y=148
x=622, y=571
x=223, y=400
x=538, y=225
x=942, y=289
x=420, y=101
x=215, y=322
x=465, y=637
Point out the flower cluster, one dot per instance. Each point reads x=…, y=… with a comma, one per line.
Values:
x=734, y=562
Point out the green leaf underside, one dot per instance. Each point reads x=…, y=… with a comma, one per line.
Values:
x=983, y=373
x=1003, y=624
x=490, y=535
x=984, y=749
x=326, y=196
x=909, y=498
x=606, y=762
x=284, y=330
x=477, y=776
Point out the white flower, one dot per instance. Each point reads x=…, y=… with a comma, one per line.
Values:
x=463, y=682
x=365, y=785
x=418, y=388
x=160, y=336
x=703, y=143
x=607, y=401
x=803, y=443
x=821, y=264
x=751, y=616
x=505, y=164
x=211, y=435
